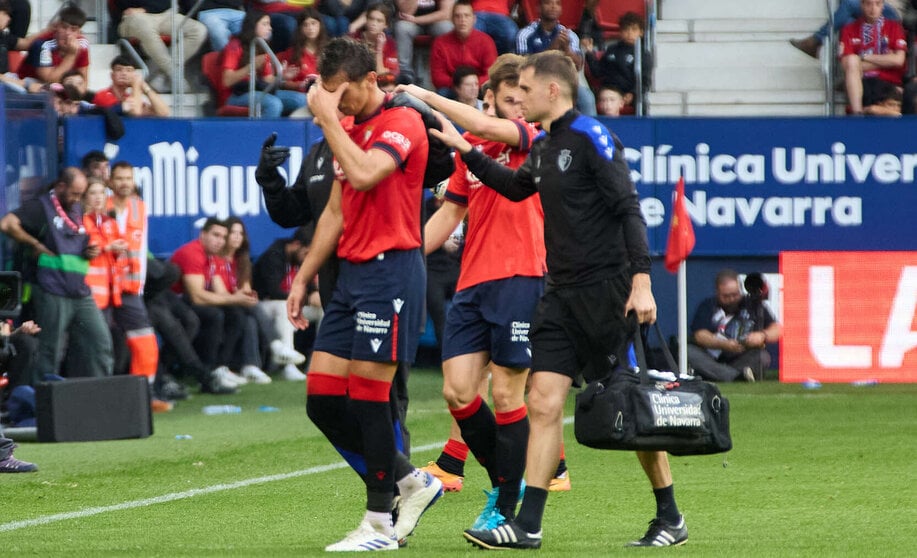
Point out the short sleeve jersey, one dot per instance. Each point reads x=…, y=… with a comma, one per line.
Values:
x=387, y=216
x=307, y=65
x=504, y=238
x=491, y=6
x=883, y=37
x=193, y=260
x=45, y=54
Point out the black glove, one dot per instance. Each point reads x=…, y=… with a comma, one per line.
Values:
x=403, y=99
x=271, y=157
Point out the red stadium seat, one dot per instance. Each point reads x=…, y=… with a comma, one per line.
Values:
x=607, y=13
x=569, y=17
x=15, y=58
x=210, y=67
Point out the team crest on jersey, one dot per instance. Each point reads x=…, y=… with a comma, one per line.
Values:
x=564, y=160
x=397, y=303
x=375, y=344
x=319, y=162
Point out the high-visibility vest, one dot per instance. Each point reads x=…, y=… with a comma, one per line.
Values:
x=135, y=233
x=107, y=270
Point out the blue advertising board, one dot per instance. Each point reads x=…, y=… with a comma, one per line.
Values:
x=754, y=187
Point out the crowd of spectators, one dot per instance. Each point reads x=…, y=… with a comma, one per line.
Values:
x=446, y=34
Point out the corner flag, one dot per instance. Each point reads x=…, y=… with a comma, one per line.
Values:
x=681, y=234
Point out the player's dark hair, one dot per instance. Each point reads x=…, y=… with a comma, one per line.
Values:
x=71, y=14
x=554, y=64
x=505, y=69
x=631, y=19
x=344, y=54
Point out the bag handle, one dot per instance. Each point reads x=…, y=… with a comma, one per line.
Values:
x=640, y=349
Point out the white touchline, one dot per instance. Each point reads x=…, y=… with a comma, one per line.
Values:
x=87, y=512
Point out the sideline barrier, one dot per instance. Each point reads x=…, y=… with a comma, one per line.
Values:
x=754, y=187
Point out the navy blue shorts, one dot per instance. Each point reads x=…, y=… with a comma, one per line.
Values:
x=495, y=317
x=376, y=311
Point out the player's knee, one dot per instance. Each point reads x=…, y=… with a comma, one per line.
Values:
x=456, y=397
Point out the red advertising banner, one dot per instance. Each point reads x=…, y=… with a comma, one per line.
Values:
x=849, y=316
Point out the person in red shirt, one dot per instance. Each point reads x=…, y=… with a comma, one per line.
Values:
x=463, y=46
x=236, y=71
x=374, y=35
x=129, y=92
x=300, y=61
x=501, y=281
x=873, y=49
x=66, y=49
x=372, y=220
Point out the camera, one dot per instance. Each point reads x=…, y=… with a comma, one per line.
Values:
x=751, y=316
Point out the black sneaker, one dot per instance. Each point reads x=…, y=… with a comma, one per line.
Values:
x=663, y=533
x=508, y=535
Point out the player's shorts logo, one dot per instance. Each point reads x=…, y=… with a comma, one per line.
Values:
x=375, y=344
x=397, y=304
x=564, y=160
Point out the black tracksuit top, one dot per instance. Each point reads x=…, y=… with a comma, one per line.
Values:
x=593, y=225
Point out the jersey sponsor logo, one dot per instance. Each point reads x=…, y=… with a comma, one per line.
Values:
x=397, y=304
x=319, y=162
x=375, y=344
x=564, y=160
x=397, y=138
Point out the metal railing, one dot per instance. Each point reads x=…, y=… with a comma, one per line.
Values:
x=646, y=45
x=829, y=63
x=254, y=108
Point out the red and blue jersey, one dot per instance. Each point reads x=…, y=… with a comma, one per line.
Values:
x=387, y=216
x=504, y=238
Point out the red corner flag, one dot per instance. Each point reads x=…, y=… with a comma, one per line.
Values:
x=681, y=233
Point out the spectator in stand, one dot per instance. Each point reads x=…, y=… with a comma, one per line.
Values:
x=257, y=327
x=96, y=163
x=177, y=325
x=847, y=11
x=300, y=61
x=283, y=20
x=609, y=102
x=76, y=86
x=202, y=285
x=872, y=50
x=343, y=17
x=146, y=21
x=466, y=87
x=67, y=49
x=888, y=101
x=463, y=46
x=20, y=13
x=50, y=228
x=10, y=41
x=547, y=33
x=589, y=30
x=374, y=35
x=128, y=93
x=273, y=275
x=416, y=17
x=222, y=18
x=236, y=66
x=492, y=17
x=614, y=67
x=109, y=278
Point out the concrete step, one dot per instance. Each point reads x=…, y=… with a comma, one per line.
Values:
x=737, y=110
x=737, y=78
x=742, y=9
x=731, y=54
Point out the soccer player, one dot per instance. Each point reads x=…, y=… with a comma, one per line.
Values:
x=501, y=280
x=372, y=219
x=598, y=264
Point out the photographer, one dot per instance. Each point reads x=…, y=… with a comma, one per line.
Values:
x=731, y=331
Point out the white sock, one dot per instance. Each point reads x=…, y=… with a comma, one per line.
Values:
x=381, y=522
x=412, y=482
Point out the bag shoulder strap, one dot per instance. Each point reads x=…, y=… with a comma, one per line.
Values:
x=639, y=340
